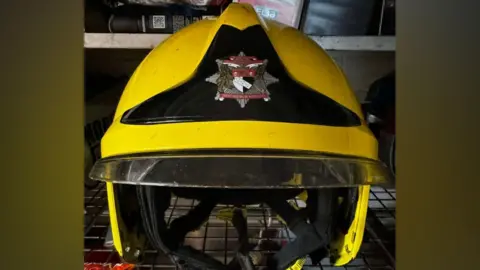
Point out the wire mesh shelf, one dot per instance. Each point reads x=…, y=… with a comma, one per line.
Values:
x=218, y=238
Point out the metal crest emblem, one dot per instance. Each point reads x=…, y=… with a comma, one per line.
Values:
x=242, y=78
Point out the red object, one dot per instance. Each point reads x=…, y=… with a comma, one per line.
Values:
x=99, y=255
x=244, y=63
x=244, y=72
x=99, y=266
x=242, y=96
x=242, y=60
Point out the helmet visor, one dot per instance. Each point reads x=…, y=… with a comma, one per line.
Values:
x=250, y=170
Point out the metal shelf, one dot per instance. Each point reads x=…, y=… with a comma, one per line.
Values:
x=149, y=41
x=218, y=237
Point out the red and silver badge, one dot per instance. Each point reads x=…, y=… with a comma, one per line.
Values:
x=242, y=78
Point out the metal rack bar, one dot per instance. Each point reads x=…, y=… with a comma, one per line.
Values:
x=150, y=41
x=381, y=218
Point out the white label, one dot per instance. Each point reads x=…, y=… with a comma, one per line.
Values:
x=158, y=22
x=266, y=12
x=209, y=17
x=241, y=82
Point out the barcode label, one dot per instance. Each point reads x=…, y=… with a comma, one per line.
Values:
x=158, y=22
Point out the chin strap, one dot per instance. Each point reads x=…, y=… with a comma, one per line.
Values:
x=312, y=230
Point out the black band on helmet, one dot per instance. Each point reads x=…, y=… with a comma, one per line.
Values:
x=193, y=101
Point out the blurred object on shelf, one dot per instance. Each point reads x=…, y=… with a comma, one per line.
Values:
x=287, y=12
x=165, y=20
x=313, y=17
x=337, y=18
x=96, y=17
x=117, y=3
x=147, y=16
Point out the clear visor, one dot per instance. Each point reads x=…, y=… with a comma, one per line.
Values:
x=246, y=171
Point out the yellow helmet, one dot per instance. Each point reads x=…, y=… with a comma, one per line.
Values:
x=238, y=111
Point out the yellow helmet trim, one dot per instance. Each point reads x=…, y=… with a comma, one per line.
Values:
x=121, y=139
x=348, y=246
x=112, y=210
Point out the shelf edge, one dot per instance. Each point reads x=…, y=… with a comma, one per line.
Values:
x=150, y=41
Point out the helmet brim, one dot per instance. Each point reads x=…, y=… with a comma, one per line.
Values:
x=241, y=170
